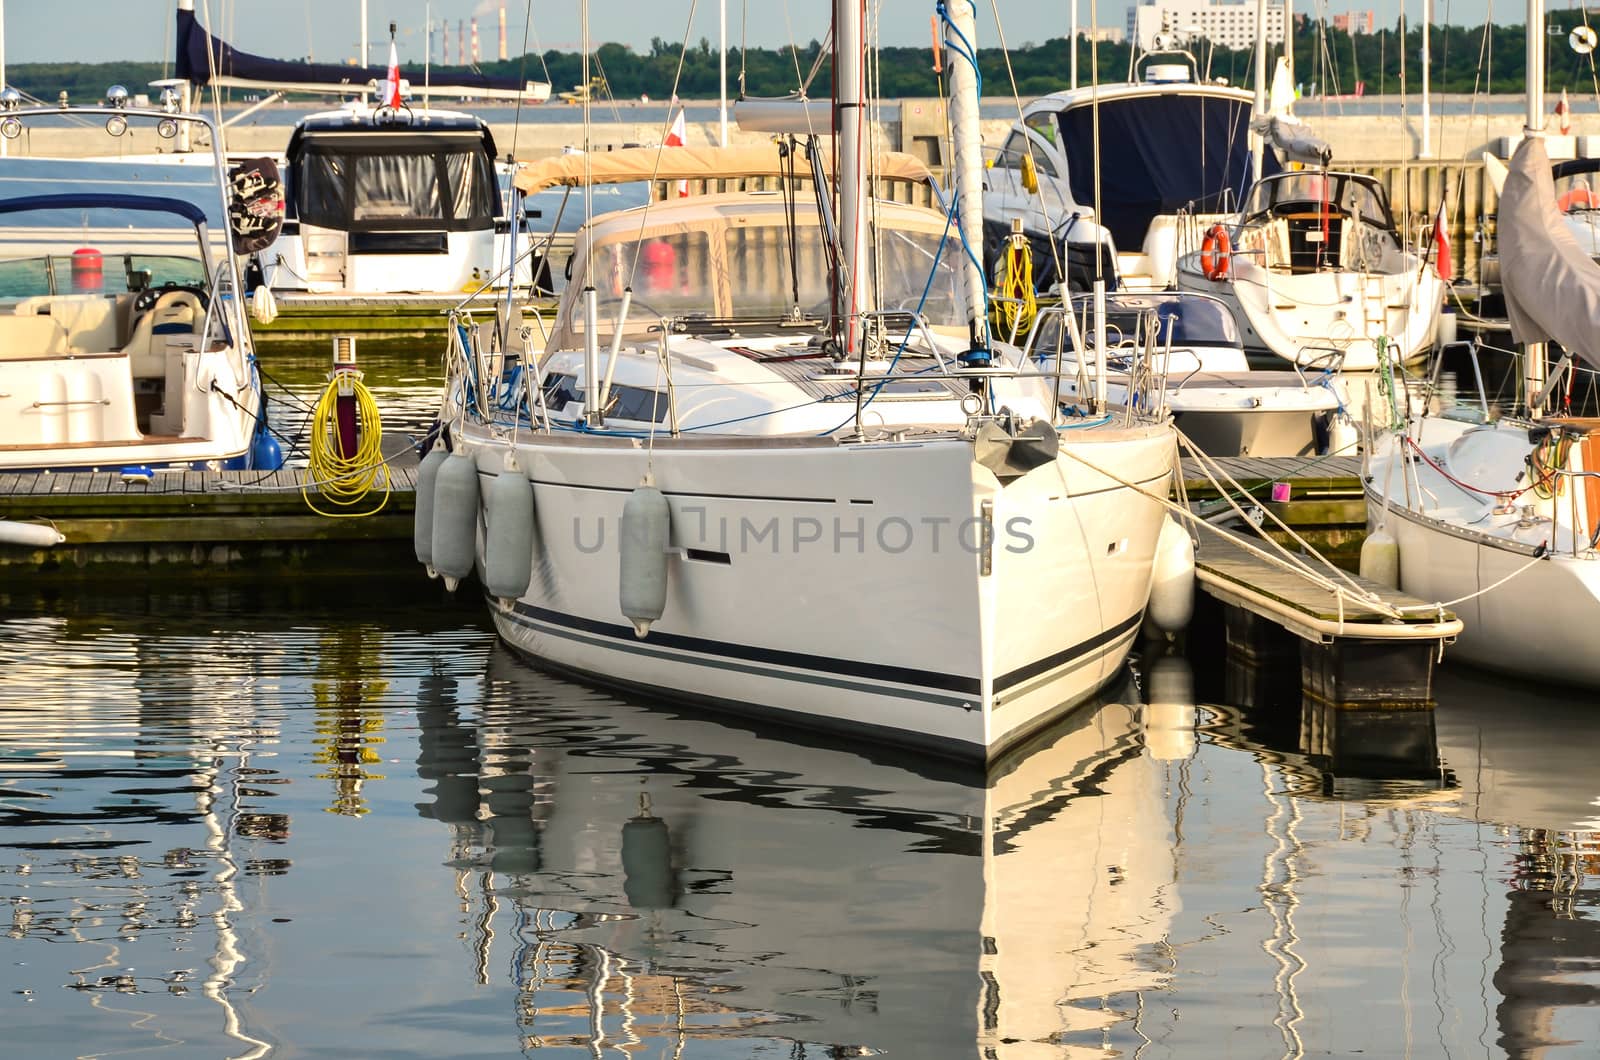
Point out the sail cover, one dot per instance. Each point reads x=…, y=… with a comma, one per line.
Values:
x=1552, y=286
x=229, y=65
x=1158, y=154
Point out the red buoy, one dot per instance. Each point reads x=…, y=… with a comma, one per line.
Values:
x=87, y=269
x=660, y=265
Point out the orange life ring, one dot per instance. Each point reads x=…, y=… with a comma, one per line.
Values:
x=1216, y=253
x=1578, y=198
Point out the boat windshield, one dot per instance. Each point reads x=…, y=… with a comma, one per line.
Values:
x=1306, y=189
x=95, y=250
x=754, y=268
x=1185, y=320
x=362, y=187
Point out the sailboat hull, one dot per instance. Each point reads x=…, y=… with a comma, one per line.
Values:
x=897, y=589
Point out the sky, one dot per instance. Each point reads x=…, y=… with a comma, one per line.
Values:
x=328, y=30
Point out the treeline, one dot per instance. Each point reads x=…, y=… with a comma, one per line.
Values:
x=1463, y=60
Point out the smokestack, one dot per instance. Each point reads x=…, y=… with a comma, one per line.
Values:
x=503, y=32
x=475, y=55
x=444, y=53
x=461, y=42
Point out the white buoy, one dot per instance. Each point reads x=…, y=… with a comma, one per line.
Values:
x=646, y=528
x=1380, y=558
x=29, y=535
x=1172, y=579
x=1343, y=436
x=508, y=539
x=422, y=522
x=455, y=519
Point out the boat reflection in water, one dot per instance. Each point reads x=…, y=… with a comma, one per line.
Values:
x=1080, y=886
x=660, y=878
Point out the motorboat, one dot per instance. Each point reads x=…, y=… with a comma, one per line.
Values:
x=1318, y=274
x=394, y=207
x=1219, y=403
x=123, y=343
x=791, y=436
x=1117, y=180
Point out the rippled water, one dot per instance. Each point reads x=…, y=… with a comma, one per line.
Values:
x=343, y=821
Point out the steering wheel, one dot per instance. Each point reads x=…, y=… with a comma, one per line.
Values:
x=147, y=298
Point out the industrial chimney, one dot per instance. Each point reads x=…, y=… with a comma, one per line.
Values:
x=503, y=32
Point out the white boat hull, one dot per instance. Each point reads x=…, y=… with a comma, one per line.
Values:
x=1328, y=319
x=849, y=585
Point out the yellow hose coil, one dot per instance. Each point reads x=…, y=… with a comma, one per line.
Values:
x=345, y=482
x=1016, y=304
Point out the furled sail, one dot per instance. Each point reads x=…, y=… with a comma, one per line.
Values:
x=227, y=65
x=1280, y=128
x=1552, y=286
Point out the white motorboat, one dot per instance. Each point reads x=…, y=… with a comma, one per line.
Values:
x=122, y=341
x=1172, y=157
x=1318, y=274
x=1219, y=403
x=837, y=495
x=388, y=201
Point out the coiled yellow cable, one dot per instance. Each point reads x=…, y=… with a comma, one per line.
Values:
x=1015, y=305
x=345, y=482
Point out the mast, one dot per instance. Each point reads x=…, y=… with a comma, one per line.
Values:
x=722, y=72
x=1072, y=42
x=1257, y=144
x=1533, y=366
x=364, y=63
x=849, y=24
x=961, y=45
x=1426, y=148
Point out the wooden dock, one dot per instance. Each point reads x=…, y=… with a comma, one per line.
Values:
x=1325, y=506
x=1368, y=646
x=214, y=521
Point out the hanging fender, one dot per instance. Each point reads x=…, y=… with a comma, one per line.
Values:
x=1216, y=253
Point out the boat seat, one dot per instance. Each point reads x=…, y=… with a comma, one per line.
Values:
x=175, y=314
x=90, y=320
x=30, y=336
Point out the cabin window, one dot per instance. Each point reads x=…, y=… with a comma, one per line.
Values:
x=1043, y=123
x=1011, y=152
x=365, y=190
x=396, y=186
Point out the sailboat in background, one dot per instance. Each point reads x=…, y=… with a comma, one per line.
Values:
x=1503, y=515
x=777, y=440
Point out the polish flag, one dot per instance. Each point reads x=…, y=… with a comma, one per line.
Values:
x=677, y=136
x=1441, y=246
x=391, y=87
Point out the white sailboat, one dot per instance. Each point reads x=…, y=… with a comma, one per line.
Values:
x=1503, y=515
x=814, y=479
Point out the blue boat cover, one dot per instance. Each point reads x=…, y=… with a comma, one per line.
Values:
x=1159, y=153
x=83, y=201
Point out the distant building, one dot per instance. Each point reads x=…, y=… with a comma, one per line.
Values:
x=1104, y=34
x=1226, y=24
x=1355, y=23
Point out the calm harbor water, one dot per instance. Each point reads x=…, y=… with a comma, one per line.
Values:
x=342, y=820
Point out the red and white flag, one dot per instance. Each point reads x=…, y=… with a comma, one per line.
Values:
x=1441, y=246
x=677, y=136
x=391, y=87
x=1563, y=114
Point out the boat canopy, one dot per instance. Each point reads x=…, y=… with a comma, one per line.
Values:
x=1159, y=153
x=227, y=65
x=692, y=163
x=1552, y=286
x=363, y=179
